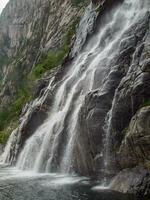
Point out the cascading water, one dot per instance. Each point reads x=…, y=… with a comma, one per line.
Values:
x=41, y=150
x=138, y=8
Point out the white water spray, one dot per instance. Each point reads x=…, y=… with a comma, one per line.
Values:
x=40, y=149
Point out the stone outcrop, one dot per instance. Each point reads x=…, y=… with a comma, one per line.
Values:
x=134, y=88
x=135, y=181
x=34, y=113
x=135, y=151
x=28, y=29
x=125, y=89
x=135, y=148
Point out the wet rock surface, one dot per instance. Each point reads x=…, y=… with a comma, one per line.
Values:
x=135, y=147
x=120, y=88
x=135, y=181
x=132, y=89
x=29, y=29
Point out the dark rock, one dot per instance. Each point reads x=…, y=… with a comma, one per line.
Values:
x=135, y=147
x=31, y=120
x=146, y=65
x=40, y=86
x=134, y=88
x=84, y=29
x=28, y=30
x=135, y=181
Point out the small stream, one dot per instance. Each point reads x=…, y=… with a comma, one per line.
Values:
x=18, y=185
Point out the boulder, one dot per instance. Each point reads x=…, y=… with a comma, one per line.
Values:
x=135, y=181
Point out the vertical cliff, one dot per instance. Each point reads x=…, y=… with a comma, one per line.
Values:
x=88, y=112
x=35, y=36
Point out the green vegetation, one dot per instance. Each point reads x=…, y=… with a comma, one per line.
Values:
x=4, y=135
x=79, y=3
x=125, y=131
x=3, y=61
x=98, y=9
x=147, y=165
x=25, y=83
x=54, y=58
x=146, y=103
x=11, y=114
x=47, y=62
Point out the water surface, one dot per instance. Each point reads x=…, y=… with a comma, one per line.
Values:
x=18, y=185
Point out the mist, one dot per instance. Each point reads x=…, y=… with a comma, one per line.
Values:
x=3, y=4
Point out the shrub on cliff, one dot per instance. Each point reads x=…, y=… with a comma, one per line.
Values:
x=79, y=2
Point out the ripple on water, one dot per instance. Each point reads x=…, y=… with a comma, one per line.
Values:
x=18, y=185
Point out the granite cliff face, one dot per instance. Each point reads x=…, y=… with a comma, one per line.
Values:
x=91, y=114
x=28, y=29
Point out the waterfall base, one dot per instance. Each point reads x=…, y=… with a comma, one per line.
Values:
x=16, y=185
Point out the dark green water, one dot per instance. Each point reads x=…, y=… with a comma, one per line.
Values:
x=16, y=185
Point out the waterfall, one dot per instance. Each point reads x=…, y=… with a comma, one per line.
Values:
x=107, y=130
x=44, y=150
x=136, y=7
x=5, y=157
